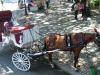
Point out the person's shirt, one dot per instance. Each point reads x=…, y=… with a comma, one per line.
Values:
x=46, y=0
x=76, y=7
x=28, y=1
x=82, y=6
x=73, y=6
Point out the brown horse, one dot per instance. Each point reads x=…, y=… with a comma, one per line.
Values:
x=73, y=42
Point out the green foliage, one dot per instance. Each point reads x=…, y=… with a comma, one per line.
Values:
x=96, y=2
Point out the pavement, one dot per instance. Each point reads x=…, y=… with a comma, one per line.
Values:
x=61, y=20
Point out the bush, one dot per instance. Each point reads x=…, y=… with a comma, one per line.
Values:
x=96, y=2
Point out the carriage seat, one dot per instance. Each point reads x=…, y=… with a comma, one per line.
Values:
x=5, y=15
x=18, y=29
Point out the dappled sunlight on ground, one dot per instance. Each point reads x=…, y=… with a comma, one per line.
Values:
x=4, y=70
x=61, y=20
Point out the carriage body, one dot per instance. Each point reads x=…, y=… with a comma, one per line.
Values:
x=15, y=30
x=22, y=36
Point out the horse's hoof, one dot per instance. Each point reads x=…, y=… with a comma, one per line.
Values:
x=77, y=69
x=78, y=66
x=53, y=66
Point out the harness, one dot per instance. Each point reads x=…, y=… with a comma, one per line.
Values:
x=80, y=40
x=50, y=45
x=68, y=41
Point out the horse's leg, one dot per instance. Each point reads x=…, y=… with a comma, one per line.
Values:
x=50, y=59
x=76, y=56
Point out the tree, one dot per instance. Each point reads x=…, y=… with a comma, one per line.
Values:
x=96, y=2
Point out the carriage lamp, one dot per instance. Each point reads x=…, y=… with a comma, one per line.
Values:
x=6, y=24
x=28, y=19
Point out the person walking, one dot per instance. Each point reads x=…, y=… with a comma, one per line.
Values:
x=47, y=3
x=47, y=6
x=76, y=8
x=82, y=8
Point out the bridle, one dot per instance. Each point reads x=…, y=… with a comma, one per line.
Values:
x=97, y=36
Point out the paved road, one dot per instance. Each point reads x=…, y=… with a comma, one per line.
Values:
x=61, y=20
x=9, y=4
x=40, y=66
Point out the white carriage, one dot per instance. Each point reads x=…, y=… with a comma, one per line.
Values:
x=23, y=36
x=20, y=36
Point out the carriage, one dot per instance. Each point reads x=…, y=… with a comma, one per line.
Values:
x=22, y=36
x=27, y=37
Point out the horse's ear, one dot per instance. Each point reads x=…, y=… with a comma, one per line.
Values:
x=95, y=30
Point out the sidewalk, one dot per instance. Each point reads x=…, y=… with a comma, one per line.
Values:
x=61, y=20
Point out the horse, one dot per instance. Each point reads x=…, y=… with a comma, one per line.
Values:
x=73, y=42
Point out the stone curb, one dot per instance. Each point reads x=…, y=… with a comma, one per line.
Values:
x=66, y=69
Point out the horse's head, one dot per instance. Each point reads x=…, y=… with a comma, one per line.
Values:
x=97, y=40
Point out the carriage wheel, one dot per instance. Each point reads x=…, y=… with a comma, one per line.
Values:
x=21, y=61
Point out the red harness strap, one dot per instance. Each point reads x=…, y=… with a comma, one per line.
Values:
x=83, y=36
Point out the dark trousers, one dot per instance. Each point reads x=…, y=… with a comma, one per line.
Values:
x=76, y=13
x=29, y=7
x=47, y=4
x=82, y=10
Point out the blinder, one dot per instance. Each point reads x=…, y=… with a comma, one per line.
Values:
x=97, y=40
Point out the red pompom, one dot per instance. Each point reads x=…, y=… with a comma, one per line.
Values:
x=95, y=30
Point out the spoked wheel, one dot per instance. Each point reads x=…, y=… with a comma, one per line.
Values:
x=21, y=61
